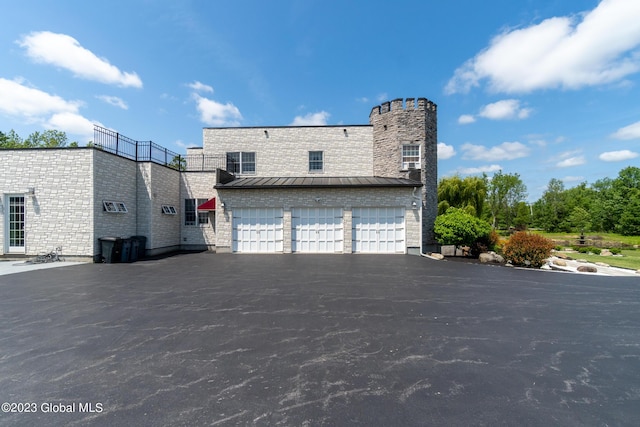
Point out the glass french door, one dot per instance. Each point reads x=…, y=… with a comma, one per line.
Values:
x=15, y=224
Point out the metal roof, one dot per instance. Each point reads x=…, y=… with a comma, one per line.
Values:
x=317, y=182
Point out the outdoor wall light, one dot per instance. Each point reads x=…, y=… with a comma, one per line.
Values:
x=31, y=191
x=266, y=134
x=414, y=205
x=223, y=206
x=345, y=132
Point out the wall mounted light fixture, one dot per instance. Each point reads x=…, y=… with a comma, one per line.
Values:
x=414, y=205
x=345, y=132
x=266, y=133
x=31, y=191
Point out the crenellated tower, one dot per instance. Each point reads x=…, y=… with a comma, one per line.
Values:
x=405, y=145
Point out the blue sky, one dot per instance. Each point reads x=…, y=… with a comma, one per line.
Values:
x=542, y=88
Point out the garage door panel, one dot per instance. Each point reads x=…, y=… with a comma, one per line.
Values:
x=317, y=230
x=378, y=230
x=257, y=230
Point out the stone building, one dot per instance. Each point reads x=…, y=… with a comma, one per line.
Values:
x=338, y=189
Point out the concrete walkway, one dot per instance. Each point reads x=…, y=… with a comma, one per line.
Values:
x=13, y=267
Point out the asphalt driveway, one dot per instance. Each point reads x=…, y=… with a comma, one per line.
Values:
x=206, y=339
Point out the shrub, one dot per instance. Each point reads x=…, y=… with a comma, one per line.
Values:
x=615, y=251
x=456, y=227
x=527, y=249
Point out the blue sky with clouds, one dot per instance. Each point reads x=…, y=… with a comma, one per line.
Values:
x=543, y=88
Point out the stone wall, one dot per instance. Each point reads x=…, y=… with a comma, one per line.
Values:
x=158, y=186
x=284, y=151
x=197, y=185
x=60, y=212
x=400, y=122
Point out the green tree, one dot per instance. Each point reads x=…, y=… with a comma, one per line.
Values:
x=579, y=219
x=47, y=139
x=468, y=194
x=550, y=208
x=457, y=227
x=504, y=192
x=179, y=163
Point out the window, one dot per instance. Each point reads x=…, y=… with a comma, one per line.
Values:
x=191, y=214
x=410, y=156
x=114, y=207
x=315, y=161
x=169, y=210
x=241, y=162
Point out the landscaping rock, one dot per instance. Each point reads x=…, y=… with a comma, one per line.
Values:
x=560, y=262
x=605, y=252
x=587, y=269
x=582, y=260
x=561, y=255
x=436, y=256
x=491, y=257
x=602, y=264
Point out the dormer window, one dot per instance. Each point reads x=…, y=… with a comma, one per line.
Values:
x=410, y=156
x=316, y=161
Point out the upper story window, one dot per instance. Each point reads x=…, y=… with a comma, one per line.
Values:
x=410, y=156
x=316, y=161
x=241, y=162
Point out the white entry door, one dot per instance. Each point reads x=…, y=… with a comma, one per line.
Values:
x=257, y=230
x=15, y=224
x=317, y=230
x=378, y=230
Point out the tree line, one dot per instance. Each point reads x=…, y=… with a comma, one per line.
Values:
x=46, y=139
x=608, y=205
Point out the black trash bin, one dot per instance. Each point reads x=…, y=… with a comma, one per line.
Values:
x=142, y=245
x=111, y=249
x=135, y=248
x=126, y=250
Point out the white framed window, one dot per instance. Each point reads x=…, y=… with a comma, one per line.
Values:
x=316, y=161
x=410, y=156
x=192, y=216
x=241, y=162
x=169, y=210
x=114, y=207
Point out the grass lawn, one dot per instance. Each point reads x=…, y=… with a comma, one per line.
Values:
x=594, y=238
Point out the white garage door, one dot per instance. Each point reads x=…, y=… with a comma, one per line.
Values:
x=257, y=230
x=317, y=230
x=378, y=230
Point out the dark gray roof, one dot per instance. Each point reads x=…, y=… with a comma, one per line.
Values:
x=317, y=182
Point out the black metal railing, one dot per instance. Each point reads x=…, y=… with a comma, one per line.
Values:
x=202, y=162
x=148, y=151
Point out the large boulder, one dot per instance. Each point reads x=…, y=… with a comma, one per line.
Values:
x=560, y=262
x=491, y=258
x=587, y=269
x=605, y=252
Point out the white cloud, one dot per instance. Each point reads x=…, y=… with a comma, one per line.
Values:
x=382, y=97
x=465, y=119
x=480, y=169
x=445, y=151
x=617, y=156
x=571, y=161
x=181, y=144
x=504, y=151
x=628, y=132
x=568, y=52
x=311, y=119
x=200, y=87
x=66, y=52
x=113, y=100
x=505, y=109
x=23, y=101
x=71, y=123
x=35, y=106
x=214, y=113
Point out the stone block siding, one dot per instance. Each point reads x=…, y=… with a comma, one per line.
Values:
x=60, y=214
x=197, y=185
x=284, y=151
x=157, y=186
x=114, y=178
x=343, y=198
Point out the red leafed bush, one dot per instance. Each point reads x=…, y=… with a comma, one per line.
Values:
x=527, y=249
